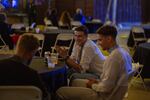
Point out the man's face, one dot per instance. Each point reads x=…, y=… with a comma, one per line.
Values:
x=80, y=37
x=104, y=41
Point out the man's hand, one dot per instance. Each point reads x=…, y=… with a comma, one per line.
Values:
x=90, y=82
x=62, y=51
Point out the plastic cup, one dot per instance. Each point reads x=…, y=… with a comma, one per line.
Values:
x=54, y=58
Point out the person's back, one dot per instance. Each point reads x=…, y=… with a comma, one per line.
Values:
x=15, y=70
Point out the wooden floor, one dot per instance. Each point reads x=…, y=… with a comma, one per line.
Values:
x=137, y=91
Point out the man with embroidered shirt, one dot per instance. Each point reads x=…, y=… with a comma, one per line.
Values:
x=86, y=59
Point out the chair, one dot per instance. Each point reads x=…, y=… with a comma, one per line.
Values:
x=138, y=35
x=65, y=40
x=47, y=22
x=4, y=46
x=96, y=20
x=148, y=40
x=17, y=26
x=119, y=92
x=41, y=38
x=48, y=28
x=20, y=93
x=75, y=23
x=138, y=69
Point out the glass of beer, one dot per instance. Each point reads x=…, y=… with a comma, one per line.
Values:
x=54, y=58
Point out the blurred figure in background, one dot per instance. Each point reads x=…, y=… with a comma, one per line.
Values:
x=65, y=20
x=5, y=31
x=32, y=12
x=51, y=15
x=79, y=16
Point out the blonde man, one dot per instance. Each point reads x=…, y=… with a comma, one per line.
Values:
x=15, y=70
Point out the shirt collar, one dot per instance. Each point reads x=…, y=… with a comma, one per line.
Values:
x=20, y=60
x=112, y=48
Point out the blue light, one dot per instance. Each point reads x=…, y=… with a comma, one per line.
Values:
x=10, y=4
x=14, y=3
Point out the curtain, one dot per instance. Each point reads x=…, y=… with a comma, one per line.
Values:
x=127, y=10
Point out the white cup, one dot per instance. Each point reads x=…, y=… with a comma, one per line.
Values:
x=50, y=64
x=47, y=54
x=37, y=30
x=27, y=29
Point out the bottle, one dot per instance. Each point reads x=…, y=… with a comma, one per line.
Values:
x=46, y=55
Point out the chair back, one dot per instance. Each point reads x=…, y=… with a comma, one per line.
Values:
x=17, y=26
x=65, y=40
x=96, y=20
x=3, y=46
x=49, y=28
x=138, y=35
x=75, y=23
x=148, y=40
x=138, y=69
x=41, y=38
x=20, y=93
x=47, y=22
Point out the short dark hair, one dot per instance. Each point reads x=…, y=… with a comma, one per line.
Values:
x=108, y=30
x=82, y=29
x=2, y=17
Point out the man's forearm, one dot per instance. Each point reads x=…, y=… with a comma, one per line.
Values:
x=72, y=64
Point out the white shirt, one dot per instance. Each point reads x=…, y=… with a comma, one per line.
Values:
x=117, y=64
x=92, y=59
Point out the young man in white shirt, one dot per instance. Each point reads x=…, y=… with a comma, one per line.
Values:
x=86, y=59
x=116, y=67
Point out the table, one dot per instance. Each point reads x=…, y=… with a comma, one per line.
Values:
x=142, y=55
x=52, y=77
